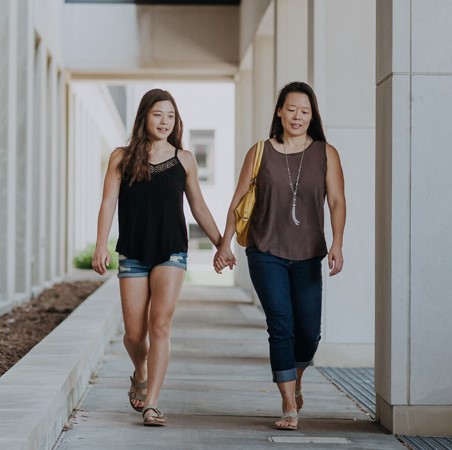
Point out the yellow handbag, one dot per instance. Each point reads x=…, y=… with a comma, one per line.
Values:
x=245, y=207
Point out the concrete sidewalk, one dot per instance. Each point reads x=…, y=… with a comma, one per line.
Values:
x=218, y=392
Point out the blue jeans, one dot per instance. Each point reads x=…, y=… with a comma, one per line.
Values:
x=291, y=295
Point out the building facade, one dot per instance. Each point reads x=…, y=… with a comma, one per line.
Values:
x=382, y=75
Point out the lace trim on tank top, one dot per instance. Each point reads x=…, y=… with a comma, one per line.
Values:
x=165, y=165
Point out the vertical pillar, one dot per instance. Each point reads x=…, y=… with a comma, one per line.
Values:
x=24, y=132
x=341, y=64
x=4, y=78
x=8, y=145
x=52, y=176
x=243, y=141
x=72, y=136
x=413, y=361
x=291, y=41
x=62, y=174
x=263, y=85
x=39, y=164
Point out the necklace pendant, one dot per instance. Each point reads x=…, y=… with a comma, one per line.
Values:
x=294, y=218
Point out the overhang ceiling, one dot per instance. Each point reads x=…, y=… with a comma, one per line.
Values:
x=163, y=2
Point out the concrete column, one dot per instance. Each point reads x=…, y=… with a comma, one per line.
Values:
x=263, y=85
x=52, y=167
x=12, y=152
x=72, y=137
x=39, y=165
x=4, y=50
x=291, y=41
x=341, y=64
x=24, y=132
x=61, y=234
x=8, y=145
x=243, y=141
x=413, y=363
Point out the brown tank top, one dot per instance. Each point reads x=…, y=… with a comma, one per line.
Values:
x=272, y=229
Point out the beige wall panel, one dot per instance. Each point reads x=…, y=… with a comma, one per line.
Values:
x=431, y=36
x=431, y=241
x=251, y=12
x=350, y=64
x=150, y=38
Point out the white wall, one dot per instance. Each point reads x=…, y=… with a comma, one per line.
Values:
x=32, y=149
x=343, y=76
x=96, y=129
x=150, y=39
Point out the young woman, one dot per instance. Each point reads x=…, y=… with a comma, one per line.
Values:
x=286, y=242
x=148, y=179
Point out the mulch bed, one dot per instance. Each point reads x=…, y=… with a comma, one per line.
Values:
x=26, y=325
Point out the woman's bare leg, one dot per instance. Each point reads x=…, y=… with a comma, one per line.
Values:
x=298, y=386
x=135, y=295
x=165, y=284
x=287, y=391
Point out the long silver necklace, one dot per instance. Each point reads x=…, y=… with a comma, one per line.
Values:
x=297, y=181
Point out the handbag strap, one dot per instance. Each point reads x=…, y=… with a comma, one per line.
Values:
x=257, y=160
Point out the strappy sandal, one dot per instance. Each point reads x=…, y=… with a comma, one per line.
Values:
x=291, y=424
x=152, y=416
x=134, y=395
x=299, y=399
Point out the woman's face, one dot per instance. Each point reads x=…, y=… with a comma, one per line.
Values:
x=296, y=114
x=160, y=120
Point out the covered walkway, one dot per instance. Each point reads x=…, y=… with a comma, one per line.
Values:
x=218, y=392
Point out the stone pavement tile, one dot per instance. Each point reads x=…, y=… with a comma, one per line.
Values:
x=218, y=394
x=95, y=431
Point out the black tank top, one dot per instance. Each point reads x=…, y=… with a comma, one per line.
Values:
x=151, y=214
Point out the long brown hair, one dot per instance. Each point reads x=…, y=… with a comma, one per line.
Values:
x=315, y=129
x=134, y=163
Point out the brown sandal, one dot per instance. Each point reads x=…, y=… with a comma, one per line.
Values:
x=153, y=418
x=134, y=395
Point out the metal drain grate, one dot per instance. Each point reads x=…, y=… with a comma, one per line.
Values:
x=427, y=443
x=358, y=383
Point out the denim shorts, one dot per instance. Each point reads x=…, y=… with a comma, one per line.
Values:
x=133, y=268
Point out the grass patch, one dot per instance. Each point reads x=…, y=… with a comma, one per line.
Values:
x=83, y=259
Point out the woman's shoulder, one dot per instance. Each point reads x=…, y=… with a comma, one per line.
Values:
x=187, y=159
x=185, y=156
x=116, y=157
x=117, y=153
x=331, y=151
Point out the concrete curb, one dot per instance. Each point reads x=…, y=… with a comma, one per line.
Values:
x=38, y=394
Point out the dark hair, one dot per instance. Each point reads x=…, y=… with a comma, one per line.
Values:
x=134, y=163
x=315, y=129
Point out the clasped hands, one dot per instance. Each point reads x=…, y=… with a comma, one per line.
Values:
x=223, y=258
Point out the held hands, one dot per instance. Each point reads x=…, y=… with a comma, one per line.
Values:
x=335, y=260
x=101, y=260
x=223, y=258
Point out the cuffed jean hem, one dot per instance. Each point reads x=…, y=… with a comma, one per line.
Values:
x=303, y=364
x=282, y=376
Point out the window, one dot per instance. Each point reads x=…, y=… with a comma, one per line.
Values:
x=202, y=146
